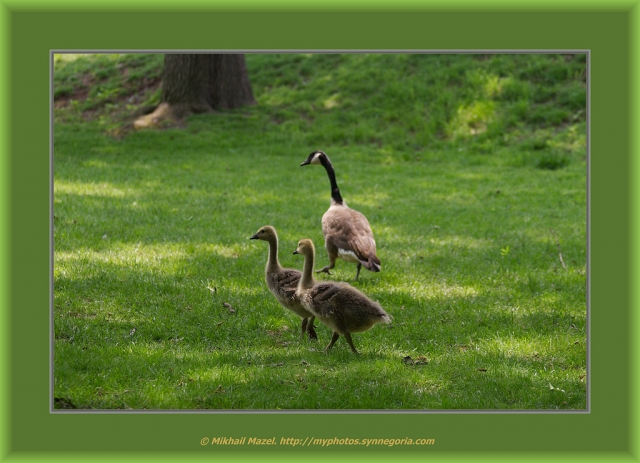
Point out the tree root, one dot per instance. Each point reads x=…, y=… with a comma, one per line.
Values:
x=157, y=118
x=167, y=115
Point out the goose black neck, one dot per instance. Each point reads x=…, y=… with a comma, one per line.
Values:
x=335, y=191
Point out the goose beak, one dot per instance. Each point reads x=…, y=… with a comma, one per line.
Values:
x=305, y=163
x=296, y=252
x=254, y=237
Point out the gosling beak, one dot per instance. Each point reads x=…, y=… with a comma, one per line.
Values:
x=305, y=163
x=296, y=252
x=254, y=237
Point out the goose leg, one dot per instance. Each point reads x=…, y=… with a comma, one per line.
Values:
x=334, y=338
x=310, y=329
x=359, y=266
x=326, y=269
x=332, y=263
x=347, y=336
x=307, y=327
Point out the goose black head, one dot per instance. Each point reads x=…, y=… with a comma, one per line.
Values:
x=314, y=158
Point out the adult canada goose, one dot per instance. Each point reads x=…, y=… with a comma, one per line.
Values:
x=347, y=233
x=283, y=282
x=340, y=306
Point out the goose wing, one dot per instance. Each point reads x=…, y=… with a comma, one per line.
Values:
x=349, y=230
x=287, y=281
x=323, y=293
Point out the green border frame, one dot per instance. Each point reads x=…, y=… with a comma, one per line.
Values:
x=30, y=29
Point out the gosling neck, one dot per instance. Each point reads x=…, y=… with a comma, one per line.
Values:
x=336, y=197
x=272, y=262
x=306, y=281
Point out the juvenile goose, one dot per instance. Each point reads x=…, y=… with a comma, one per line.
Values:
x=283, y=282
x=340, y=306
x=347, y=233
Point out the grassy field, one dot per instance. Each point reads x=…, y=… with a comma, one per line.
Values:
x=470, y=168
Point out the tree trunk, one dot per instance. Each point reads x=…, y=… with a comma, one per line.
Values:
x=185, y=83
x=196, y=83
x=229, y=82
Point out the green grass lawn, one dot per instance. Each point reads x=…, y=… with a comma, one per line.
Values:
x=470, y=168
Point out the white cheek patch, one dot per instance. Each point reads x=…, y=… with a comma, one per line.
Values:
x=348, y=256
x=316, y=159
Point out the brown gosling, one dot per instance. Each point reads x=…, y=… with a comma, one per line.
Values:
x=283, y=282
x=347, y=233
x=339, y=306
